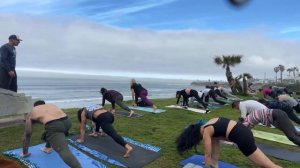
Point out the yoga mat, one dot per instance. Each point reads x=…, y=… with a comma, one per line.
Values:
x=125, y=114
x=146, y=109
x=39, y=159
x=283, y=154
x=142, y=153
x=272, y=137
x=198, y=159
x=188, y=108
x=296, y=127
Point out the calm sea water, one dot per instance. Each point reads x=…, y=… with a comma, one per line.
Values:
x=72, y=92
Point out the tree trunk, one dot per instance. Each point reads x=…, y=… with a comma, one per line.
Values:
x=245, y=87
x=230, y=80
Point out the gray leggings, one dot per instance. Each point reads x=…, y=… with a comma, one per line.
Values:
x=55, y=136
x=282, y=122
x=119, y=102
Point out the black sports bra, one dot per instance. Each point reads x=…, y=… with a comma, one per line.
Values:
x=220, y=127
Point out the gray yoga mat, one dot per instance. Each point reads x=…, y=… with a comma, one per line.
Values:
x=106, y=145
x=125, y=114
x=283, y=154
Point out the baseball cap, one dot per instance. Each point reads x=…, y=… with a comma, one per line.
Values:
x=14, y=37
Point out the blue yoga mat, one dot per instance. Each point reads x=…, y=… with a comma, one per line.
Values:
x=198, y=159
x=213, y=106
x=146, y=109
x=39, y=159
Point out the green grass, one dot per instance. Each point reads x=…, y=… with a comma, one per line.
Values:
x=157, y=129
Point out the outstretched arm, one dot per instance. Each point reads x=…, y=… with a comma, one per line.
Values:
x=207, y=133
x=82, y=127
x=216, y=150
x=27, y=135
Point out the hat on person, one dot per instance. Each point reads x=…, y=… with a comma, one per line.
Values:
x=14, y=37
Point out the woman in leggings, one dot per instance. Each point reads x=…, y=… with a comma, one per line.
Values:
x=102, y=118
x=137, y=91
x=275, y=117
x=218, y=129
x=186, y=94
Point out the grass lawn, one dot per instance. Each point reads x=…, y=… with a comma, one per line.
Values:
x=157, y=129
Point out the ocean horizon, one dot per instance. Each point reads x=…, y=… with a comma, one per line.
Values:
x=80, y=91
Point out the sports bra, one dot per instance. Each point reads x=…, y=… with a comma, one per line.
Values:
x=220, y=127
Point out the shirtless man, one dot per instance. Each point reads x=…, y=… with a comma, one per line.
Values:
x=57, y=125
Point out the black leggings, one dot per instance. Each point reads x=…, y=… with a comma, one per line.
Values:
x=218, y=92
x=195, y=94
x=243, y=137
x=212, y=94
x=297, y=108
x=282, y=122
x=105, y=121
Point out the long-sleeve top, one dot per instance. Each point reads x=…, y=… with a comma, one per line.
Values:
x=137, y=90
x=287, y=99
x=266, y=92
x=110, y=95
x=205, y=92
x=249, y=106
x=8, y=57
x=263, y=116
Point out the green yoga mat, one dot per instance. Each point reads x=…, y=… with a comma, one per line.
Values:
x=272, y=137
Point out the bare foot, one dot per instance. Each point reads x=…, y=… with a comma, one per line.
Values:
x=154, y=109
x=46, y=150
x=130, y=114
x=128, y=151
x=94, y=134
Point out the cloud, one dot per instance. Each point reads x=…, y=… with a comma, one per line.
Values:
x=290, y=30
x=73, y=44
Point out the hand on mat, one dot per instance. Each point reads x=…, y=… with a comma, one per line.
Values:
x=79, y=140
x=25, y=155
x=46, y=150
x=134, y=104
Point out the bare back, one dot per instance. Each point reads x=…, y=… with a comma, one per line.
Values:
x=45, y=113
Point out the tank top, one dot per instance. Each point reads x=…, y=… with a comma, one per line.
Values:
x=220, y=127
x=91, y=109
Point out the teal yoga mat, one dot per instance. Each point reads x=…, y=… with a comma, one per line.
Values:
x=39, y=159
x=146, y=109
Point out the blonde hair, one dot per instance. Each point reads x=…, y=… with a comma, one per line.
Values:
x=132, y=81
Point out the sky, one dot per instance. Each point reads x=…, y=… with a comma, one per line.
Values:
x=169, y=39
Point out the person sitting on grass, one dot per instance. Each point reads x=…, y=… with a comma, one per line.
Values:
x=213, y=132
x=103, y=119
x=57, y=124
x=114, y=97
x=186, y=94
x=137, y=90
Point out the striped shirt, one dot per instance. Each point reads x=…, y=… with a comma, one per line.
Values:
x=263, y=116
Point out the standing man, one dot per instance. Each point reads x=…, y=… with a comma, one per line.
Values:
x=8, y=75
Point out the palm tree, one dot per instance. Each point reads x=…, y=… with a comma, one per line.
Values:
x=276, y=70
x=226, y=62
x=289, y=70
x=295, y=69
x=281, y=69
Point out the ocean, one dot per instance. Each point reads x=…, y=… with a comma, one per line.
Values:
x=72, y=92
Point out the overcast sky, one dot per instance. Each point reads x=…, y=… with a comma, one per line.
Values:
x=152, y=38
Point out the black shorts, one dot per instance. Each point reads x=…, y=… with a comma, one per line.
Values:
x=243, y=137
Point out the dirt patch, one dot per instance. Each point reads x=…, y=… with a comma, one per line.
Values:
x=6, y=163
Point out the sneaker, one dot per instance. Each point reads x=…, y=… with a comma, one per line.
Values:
x=207, y=111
